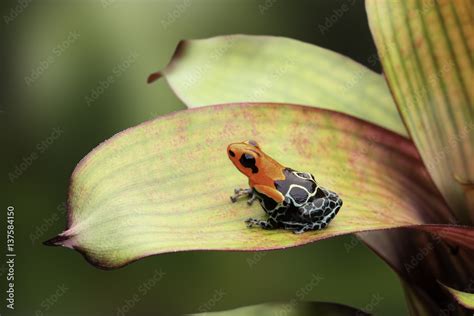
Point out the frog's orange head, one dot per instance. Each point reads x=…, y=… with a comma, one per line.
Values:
x=246, y=156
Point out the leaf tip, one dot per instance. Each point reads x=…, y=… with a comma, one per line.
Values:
x=59, y=240
x=179, y=51
x=463, y=298
x=154, y=76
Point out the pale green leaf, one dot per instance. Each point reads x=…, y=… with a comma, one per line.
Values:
x=243, y=68
x=164, y=185
x=426, y=50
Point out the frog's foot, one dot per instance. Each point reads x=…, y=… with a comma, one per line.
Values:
x=252, y=198
x=263, y=224
x=238, y=192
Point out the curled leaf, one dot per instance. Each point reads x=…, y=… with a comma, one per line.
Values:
x=463, y=298
x=164, y=185
x=244, y=68
x=421, y=257
x=426, y=50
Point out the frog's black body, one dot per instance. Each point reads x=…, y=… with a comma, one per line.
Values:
x=306, y=206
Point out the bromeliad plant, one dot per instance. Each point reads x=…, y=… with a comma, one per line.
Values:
x=402, y=165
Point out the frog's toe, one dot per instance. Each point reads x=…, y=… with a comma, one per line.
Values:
x=251, y=221
x=252, y=199
x=300, y=231
x=263, y=224
x=238, y=192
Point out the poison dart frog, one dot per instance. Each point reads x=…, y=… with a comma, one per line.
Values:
x=292, y=199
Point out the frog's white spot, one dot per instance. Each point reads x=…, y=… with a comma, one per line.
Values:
x=297, y=191
x=303, y=175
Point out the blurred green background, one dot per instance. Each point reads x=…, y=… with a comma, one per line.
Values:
x=56, y=55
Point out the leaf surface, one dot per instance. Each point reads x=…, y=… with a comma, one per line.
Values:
x=243, y=68
x=164, y=185
x=426, y=50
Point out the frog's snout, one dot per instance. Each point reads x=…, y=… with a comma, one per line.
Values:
x=231, y=151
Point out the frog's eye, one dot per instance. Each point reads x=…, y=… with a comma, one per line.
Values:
x=248, y=161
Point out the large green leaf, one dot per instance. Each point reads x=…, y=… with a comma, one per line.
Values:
x=426, y=50
x=164, y=185
x=242, y=68
x=291, y=308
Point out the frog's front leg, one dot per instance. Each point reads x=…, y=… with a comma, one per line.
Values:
x=238, y=192
x=252, y=198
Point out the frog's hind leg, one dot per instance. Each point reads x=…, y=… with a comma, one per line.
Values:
x=238, y=192
x=272, y=221
x=319, y=212
x=269, y=224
